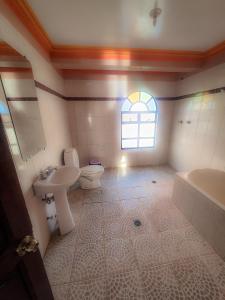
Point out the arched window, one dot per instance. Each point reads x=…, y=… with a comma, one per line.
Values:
x=138, y=121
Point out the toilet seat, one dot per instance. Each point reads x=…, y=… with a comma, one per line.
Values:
x=91, y=171
x=90, y=177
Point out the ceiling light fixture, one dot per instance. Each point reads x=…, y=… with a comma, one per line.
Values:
x=155, y=12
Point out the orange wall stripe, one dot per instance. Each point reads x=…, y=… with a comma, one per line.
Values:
x=25, y=14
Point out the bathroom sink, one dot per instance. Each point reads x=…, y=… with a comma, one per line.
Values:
x=61, y=178
x=58, y=183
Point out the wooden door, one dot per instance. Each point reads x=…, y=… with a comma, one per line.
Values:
x=21, y=277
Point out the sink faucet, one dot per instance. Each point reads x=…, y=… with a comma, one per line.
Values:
x=46, y=172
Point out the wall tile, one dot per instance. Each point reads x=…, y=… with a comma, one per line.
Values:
x=97, y=127
x=201, y=143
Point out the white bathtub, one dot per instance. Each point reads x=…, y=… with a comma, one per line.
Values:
x=200, y=195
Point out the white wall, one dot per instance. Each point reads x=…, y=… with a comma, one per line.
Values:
x=200, y=144
x=54, y=118
x=205, y=80
x=96, y=125
x=118, y=86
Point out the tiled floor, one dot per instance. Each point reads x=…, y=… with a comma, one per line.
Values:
x=107, y=257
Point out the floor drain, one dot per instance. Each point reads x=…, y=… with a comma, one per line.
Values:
x=137, y=222
x=153, y=181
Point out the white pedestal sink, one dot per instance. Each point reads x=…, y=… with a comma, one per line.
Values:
x=58, y=183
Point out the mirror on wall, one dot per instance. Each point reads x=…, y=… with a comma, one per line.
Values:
x=19, y=105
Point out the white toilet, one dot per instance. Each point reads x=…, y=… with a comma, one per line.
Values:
x=90, y=175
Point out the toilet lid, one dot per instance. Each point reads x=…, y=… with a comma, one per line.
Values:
x=93, y=169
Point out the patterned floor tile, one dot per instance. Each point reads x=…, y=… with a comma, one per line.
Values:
x=92, y=212
x=197, y=242
x=145, y=205
x=216, y=266
x=58, y=264
x=148, y=251
x=76, y=195
x=147, y=227
x=107, y=257
x=159, y=283
x=66, y=240
x=120, y=256
x=195, y=280
x=175, y=246
x=135, y=209
x=135, y=204
x=158, y=189
x=60, y=291
x=169, y=220
x=118, y=228
x=140, y=192
x=113, y=211
x=124, y=286
x=126, y=193
x=94, y=289
x=160, y=204
x=110, y=194
x=89, y=262
x=93, y=196
x=109, y=183
x=91, y=231
x=123, y=183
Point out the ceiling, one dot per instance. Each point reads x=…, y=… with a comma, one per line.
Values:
x=183, y=24
x=95, y=38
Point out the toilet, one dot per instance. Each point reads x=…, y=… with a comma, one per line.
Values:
x=90, y=175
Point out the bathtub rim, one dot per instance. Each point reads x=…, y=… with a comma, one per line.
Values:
x=184, y=176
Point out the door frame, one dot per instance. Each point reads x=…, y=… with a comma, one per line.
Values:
x=16, y=224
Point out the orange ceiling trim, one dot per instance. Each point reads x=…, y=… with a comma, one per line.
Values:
x=15, y=69
x=104, y=53
x=25, y=14
x=6, y=50
x=220, y=48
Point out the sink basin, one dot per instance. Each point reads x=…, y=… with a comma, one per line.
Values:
x=58, y=183
x=61, y=178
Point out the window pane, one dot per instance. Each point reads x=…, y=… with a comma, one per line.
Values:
x=15, y=149
x=146, y=143
x=139, y=107
x=11, y=136
x=129, y=143
x=147, y=130
x=145, y=97
x=145, y=117
x=129, y=130
x=129, y=117
x=126, y=105
x=3, y=109
x=152, y=105
x=134, y=98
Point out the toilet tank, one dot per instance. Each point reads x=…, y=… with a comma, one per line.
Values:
x=71, y=157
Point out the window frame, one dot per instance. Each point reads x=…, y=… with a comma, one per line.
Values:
x=139, y=122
